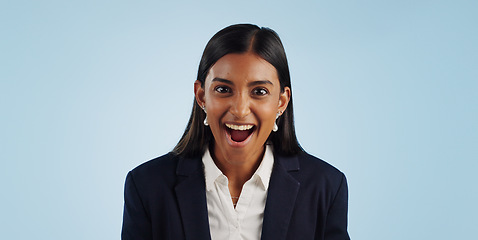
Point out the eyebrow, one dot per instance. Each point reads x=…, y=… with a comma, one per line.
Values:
x=254, y=83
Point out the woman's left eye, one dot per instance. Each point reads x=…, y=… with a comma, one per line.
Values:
x=260, y=91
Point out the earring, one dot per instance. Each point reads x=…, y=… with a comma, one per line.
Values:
x=205, y=119
x=275, y=128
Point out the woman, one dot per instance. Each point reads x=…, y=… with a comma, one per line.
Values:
x=238, y=171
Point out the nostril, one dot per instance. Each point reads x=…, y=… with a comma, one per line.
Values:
x=240, y=115
x=240, y=112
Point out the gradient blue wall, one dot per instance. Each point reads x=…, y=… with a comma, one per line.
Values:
x=384, y=90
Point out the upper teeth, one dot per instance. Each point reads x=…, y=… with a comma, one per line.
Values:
x=239, y=127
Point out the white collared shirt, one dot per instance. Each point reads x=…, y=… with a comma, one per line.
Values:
x=245, y=221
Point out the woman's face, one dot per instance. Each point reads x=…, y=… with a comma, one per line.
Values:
x=242, y=97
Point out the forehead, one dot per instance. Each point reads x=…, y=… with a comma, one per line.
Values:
x=243, y=68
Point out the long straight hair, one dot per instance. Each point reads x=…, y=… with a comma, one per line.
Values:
x=241, y=38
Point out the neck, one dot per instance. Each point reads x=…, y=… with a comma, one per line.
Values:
x=239, y=168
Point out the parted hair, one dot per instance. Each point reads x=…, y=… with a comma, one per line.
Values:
x=242, y=38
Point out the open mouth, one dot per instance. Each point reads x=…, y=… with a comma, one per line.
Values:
x=239, y=133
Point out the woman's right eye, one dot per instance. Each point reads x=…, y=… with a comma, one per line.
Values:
x=222, y=89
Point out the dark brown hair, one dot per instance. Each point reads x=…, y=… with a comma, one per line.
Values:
x=242, y=38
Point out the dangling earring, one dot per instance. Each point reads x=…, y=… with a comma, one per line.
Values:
x=275, y=128
x=205, y=119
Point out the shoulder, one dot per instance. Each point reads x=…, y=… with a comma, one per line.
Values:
x=160, y=168
x=162, y=163
x=309, y=162
x=314, y=169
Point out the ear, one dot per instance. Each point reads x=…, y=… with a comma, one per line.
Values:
x=284, y=99
x=199, y=93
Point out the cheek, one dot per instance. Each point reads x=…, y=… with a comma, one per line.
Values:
x=268, y=112
x=215, y=109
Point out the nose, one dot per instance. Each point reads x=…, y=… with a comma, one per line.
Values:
x=240, y=106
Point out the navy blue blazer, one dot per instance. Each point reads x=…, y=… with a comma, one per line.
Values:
x=165, y=198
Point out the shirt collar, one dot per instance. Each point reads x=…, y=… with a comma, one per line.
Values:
x=263, y=172
x=265, y=168
x=211, y=172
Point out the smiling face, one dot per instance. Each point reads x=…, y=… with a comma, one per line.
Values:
x=242, y=97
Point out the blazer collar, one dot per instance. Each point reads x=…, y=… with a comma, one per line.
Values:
x=191, y=195
x=290, y=164
x=281, y=196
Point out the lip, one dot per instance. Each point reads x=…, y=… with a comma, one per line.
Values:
x=235, y=144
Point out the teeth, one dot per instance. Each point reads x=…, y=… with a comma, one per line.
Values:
x=239, y=127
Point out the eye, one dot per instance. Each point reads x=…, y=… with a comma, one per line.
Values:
x=260, y=91
x=222, y=89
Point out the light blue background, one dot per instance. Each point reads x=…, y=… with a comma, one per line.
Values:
x=384, y=90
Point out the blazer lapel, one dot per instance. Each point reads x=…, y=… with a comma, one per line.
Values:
x=191, y=195
x=282, y=193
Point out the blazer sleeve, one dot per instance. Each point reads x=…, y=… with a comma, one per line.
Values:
x=136, y=222
x=336, y=223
